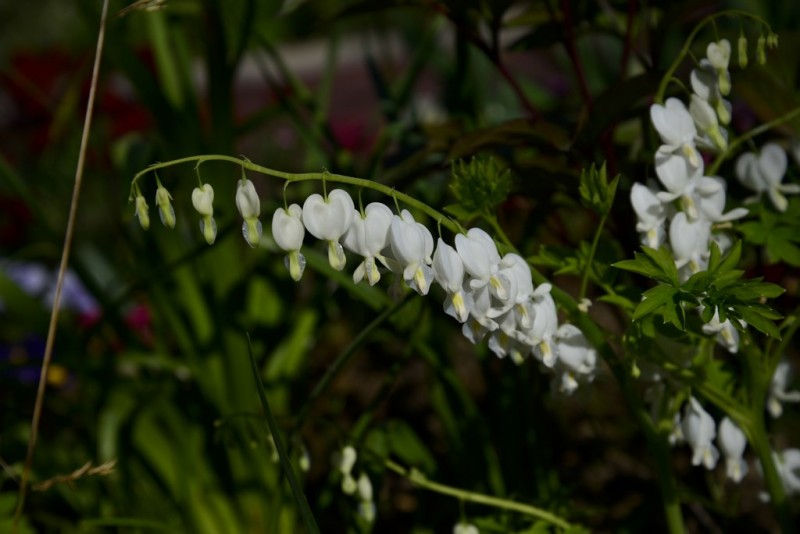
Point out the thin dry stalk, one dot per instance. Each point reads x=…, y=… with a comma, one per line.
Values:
x=85, y=470
x=51, y=333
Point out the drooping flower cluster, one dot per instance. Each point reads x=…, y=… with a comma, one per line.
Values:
x=493, y=296
x=764, y=172
x=361, y=488
x=698, y=430
x=682, y=215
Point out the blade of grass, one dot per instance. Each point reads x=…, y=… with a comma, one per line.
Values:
x=297, y=491
x=62, y=269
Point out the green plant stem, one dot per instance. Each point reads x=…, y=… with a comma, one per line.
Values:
x=286, y=465
x=439, y=217
x=754, y=427
x=758, y=130
x=662, y=87
x=422, y=481
x=590, y=260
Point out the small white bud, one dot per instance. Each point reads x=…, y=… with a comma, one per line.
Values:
x=165, y=209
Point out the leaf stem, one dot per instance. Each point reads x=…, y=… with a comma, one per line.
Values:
x=422, y=481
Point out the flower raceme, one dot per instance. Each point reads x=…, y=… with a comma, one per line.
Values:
x=487, y=293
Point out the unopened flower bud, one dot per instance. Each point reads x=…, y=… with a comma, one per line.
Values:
x=203, y=201
x=165, y=209
x=142, y=212
x=761, y=55
x=249, y=206
x=743, y=51
x=772, y=40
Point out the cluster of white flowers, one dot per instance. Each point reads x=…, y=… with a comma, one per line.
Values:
x=491, y=295
x=360, y=488
x=698, y=430
x=683, y=214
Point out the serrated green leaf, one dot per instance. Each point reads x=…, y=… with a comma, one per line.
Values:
x=722, y=281
x=754, y=318
x=714, y=257
x=708, y=313
x=780, y=249
x=663, y=258
x=755, y=232
x=755, y=290
x=698, y=282
x=655, y=264
x=653, y=299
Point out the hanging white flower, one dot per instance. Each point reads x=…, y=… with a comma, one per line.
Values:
x=732, y=443
x=577, y=359
x=368, y=236
x=727, y=335
x=412, y=246
x=203, y=202
x=719, y=56
x=705, y=84
x=249, y=206
x=482, y=261
x=709, y=198
x=328, y=219
x=676, y=128
x=448, y=270
x=689, y=241
x=765, y=172
x=651, y=214
x=699, y=431
x=778, y=393
x=705, y=117
x=288, y=232
x=679, y=177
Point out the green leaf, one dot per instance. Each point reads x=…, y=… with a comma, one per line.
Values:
x=753, y=316
x=406, y=445
x=655, y=264
x=654, y=299
x=596, y=192
x=732, y=259
x=714, y=257
x=480, y=184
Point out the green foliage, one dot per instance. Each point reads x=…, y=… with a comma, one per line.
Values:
x=719, y=289
x=778, y=232
x=595, y=189
x=478, y=186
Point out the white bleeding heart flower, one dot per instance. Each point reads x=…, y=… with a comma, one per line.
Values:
x=328, y=219
x=765, y=172
x=705, y=84
x=288, y=232
x=479, y=322
x=689, y=241
x=203, y=202
x=679, y=177
x=545, y=325
x=482, y=262
x=249, y=206
x=705, y=117
x=368, y=236
x=709, y=197
x=732, y=442
x=448, y=270
x=675, y=126
x=778, y=393
x=651, y=213
x=727, y=335
x=719, y=56
x=700, y=431
x=577, y=359
x=412, y=246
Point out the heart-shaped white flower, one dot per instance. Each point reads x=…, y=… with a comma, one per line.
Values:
x=329, y=219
